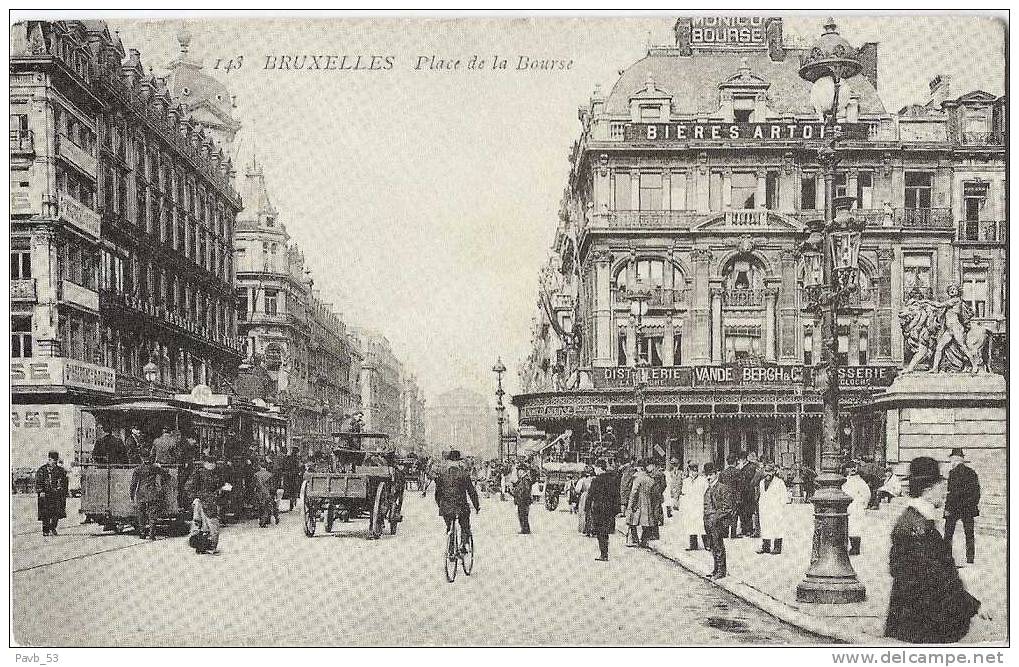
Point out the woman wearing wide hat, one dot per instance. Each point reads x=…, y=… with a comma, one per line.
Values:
x=928, y=604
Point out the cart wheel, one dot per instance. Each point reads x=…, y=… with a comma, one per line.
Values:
x=377, y=522
x=307, y=512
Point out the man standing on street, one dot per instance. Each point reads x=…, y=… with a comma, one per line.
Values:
x=730, y=477
x=164, y=448
x=293, y=475
x=858, y=490
x=265, y=495
x=719, y=509
x=602, y=506
x=453, y=489
x=522, y=497
x=148, y=484
x=639, y=515
x=51, y=489
x=963, y=502
x=746, y=496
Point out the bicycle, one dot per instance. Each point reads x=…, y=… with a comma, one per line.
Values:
x=463, y=552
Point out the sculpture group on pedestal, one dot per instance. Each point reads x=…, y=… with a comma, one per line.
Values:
x=941, y=334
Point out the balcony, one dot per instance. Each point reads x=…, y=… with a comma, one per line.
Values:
x=746, y=217
x=644, y=219
x=981, y=138
x=926, y=218
x=658, y=297
x=76, y=295
x=78, y=215
x=862, y=297
x=79, y=157
x=982, y=231
x=22, y=142
x=23, y=290
x=743, y=298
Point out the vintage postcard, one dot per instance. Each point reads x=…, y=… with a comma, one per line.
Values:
x=605, y=330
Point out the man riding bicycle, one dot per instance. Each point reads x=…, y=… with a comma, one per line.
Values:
x=453, y=488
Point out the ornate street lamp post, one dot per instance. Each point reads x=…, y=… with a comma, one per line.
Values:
x=151, y=373
x=638, y=308
x=500, y=409
x=830, y=255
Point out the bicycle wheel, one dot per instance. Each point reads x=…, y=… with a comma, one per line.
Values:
x=467, y=558
x=452, y=544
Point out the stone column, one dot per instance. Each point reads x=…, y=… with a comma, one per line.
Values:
x=699, y=314
x=790, y=338
x=761, y=197
x=45, y=317
x=631, y=341
x=668, y=354
x=853, y=348
x=602, y=185
x=716, y=325
x=666, y=190
x=634, y=189
x=819, y=189
x=788, y=189
x=851, y=183
x=770, y=297
x=604, y=338
x=702, y=177
x=727, y=189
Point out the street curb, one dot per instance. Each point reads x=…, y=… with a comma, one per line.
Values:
x=776, y=608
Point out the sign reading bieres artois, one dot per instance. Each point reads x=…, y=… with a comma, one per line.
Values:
x=774, y=131
x=740, y=376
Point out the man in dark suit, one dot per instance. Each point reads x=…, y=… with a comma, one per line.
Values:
x=135, y=445
x=148, y=488
x=51, y=490
x=522, y=497
x=719, y=508
x=963, y=502
x=747, y=497
x=730, y=477
x=109, y=449
x=453, y=489
x=602, y=506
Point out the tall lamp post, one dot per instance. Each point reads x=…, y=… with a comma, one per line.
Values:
x=638, y=308
x=830, y=254
x=500, y=409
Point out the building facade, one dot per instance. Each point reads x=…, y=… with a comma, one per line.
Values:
x=381, y=384
x=676, y=252
x=122, y=214
x=313, y=363
x=462, y=419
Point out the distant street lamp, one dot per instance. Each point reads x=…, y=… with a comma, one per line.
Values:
x=500, y=409
x=830, y=257
x=639, y=299
x=151, y=373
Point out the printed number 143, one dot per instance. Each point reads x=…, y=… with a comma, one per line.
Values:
x=230, y=64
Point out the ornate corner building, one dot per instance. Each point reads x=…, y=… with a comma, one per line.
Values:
x=692, y=184
x=122, y=216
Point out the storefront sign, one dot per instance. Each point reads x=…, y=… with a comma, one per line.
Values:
x=711, y=30
x=58, y=371
x=38, y=429
x=737, y=376
x=564, y=410
x=742, y=131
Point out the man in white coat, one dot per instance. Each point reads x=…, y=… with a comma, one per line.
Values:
x=857, y=489
x=691, y=506
x=772, y=507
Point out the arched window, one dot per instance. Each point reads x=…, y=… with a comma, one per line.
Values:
x=743, y=272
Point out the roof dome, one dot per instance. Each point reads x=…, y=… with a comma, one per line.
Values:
x=831, y=53
x=194, y=89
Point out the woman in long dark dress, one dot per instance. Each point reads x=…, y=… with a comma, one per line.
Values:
x=929, y=604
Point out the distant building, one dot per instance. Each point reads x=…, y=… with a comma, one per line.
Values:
x=462, y=419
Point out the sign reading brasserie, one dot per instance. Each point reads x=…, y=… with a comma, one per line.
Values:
x=776, y=131
x=738, y=376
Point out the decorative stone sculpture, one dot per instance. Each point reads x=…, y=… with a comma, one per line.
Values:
x=941, y=331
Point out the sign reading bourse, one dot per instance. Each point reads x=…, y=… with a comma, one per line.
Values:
x=722, y=377
x=776, y=131
x=716, y=30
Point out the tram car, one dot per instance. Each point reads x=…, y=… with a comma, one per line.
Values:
x=232, y=431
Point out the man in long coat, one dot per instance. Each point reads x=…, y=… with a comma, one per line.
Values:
x=691, y=508
x=658, y=487
x=639, y=511
x=928, y=603
x=963, y=502
x=134, y=443
x=454, y=494
x=719, y=510
x=522, y=497
x=729, y=475
x=746, y=494
x=293, y=475
x=602, y=506
x=773, y=498
x=148, y=489
x=51, y=490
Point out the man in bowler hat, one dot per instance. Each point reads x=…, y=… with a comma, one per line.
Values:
x=963, y=502
x=719, y=511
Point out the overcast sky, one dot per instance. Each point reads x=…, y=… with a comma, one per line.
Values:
x=425, y=201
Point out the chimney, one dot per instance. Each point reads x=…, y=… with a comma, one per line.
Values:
x=773, y=30
x=940, y=85
x=868, y=58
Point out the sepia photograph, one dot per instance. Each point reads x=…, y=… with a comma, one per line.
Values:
x=648, y=329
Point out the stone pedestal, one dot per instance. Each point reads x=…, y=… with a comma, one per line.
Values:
x=929, y=414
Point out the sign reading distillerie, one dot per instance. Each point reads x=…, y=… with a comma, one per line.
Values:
x=687, y=131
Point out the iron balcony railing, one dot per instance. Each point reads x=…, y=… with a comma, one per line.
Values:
x=983, y=231
x=926, y=218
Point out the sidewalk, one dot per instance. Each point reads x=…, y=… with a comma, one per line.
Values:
x=769, y=582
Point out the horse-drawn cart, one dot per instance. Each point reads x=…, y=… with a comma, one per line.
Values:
x=355, y=484
x=558, y=477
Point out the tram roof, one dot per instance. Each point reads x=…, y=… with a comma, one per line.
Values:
x=152, y=405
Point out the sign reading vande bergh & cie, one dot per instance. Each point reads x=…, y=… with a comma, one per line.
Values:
x=739, y=376
x=776, y=131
